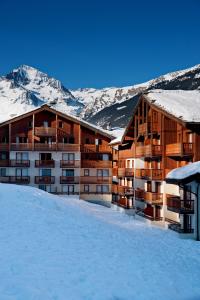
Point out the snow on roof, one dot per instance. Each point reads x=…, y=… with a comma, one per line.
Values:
x=119, y=132
x=184, y=105
x=184, y=172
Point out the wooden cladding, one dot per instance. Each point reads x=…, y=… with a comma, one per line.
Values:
x=148, y=150
x=96, y=164
x=4, y=147
x=149, y=174
x=70, y=163
x=96, y=179
x=179, y=149
x=153, y=198
x=88, y=148
x=45, y=131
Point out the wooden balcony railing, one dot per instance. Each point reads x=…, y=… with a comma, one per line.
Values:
x=139, y=194
x=153, y=150
x=45, y=163
x=94, y=148
x=115, y=189
x=96, y=164
x=70, y=163
x=129, y=172
x=15, y=179
x=140, y=151
x=179, y=149
x=96, y=179
x=44, y=179
x=153, y=198
x=142, y=129
x=21, y=146
x=4, y=147
x=19, y=163
x=180, y=206
x=153, y=174
x=45, y=131
x=123, y=202
x=69, y=179
x=125, y=190
x=44, y=147
x=68, y=147
x=115, y=171
x=4, y=163
x=121, y=172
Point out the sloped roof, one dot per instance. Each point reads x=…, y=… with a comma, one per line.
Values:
x=64, y=115
x=184, y=174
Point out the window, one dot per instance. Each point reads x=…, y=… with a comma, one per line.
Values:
x=60, y=124
x=45, y=124
x=22, y=156
x=103, y=172
x=86, y=172
x=3, y=155
x=46, y=188
x=71, y=140
x=45, y=156
x=102, y=188
x=68, y=156
x=86, y=188
x=45, y=172
x=65, y=141
x=68, y=189
x=30, y=124
x=2, y=172
x=68, y=172
x=21, y=172
x=21, y=139
x=105, y=156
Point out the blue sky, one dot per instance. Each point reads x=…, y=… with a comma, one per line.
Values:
x=100, y=43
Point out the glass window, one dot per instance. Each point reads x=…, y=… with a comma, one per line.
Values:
x=103, y=172
x=86, y=188
x=45, y=124
x=21, y=172
x=2, y=171
x=105, y=157
x=45, y=172
x=68, y=172
x=86, y=172
x=68, y=156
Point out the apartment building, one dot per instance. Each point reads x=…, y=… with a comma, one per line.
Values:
x=57, y=153
x=163, y=134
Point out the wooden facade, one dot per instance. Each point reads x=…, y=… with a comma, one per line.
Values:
x=154, y=143
x=50, y=150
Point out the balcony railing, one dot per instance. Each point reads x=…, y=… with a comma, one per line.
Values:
x=21, y=146
x=15, y=179
x=129, y=172
x=123, y=202
x=68, y=147
x=179, y=149
x=70, y=163
x=44, y=147
x=125, y=190
x=44, y=179
x=139, y=194
x=121, y=172
x=45, y=163
x=153, y=174
x=94, y=148
x=115, y=171
x=177, y=227
x=153, y=198
x=19, y=163
x=69, y=179
x=140, y=151
x=45, y=131
x=96, y=179
x=4, y=163
x=180, y=206
x=153, y=150
x=4, y=147
x=96, y=164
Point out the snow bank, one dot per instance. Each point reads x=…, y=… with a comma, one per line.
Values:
x=182, y=104
x=58, y=248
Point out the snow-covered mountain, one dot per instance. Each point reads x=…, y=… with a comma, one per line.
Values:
x=26, y=88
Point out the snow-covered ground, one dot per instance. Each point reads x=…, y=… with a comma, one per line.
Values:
x=58, y=248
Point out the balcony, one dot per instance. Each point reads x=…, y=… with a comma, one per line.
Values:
x=69, y=179
x=142, y=129
x=45, y=131
x=45, y=163
x=87, y=163
x=177, y=227
x=140, y=151
x=45, y=147
x=115, y=171
x=129, y=172
x=126, y=153
x=21, y=146
x=96, y=179
x=94, y=148
x=153, y=150
x=153, y=198
x=123, y=202
x=125, y=190
x=44, y=179
x=180, y=206
x=180, y=149
x=4, y=163
x=68, y=147
x=70, y=163
x=149, y=174
x=115, y=189
x=19, y=163
x=4, y=147
x=15, y=179
x=121, y=172
x=139, y=194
